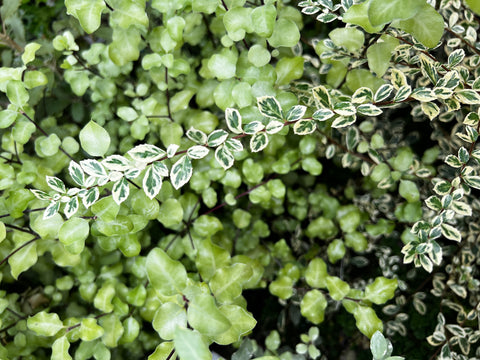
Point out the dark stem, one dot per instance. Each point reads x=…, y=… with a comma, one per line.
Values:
x=18, y=249
x=167, y=93
x=44, y=132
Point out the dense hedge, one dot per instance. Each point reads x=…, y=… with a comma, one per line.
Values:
x=260, y=179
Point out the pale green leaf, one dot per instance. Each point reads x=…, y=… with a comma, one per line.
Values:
x=381, y=290
x=45, y=324
x=167, y=276
x=190, y=345
x=94, y=139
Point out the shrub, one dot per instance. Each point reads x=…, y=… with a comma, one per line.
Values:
x=185, y=176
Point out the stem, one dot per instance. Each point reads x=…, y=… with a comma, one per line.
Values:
x=167, y=93
x=70, y=328
x=28, y=231
x=8, y=41
x=44, y=133
x=18, y=249
x=85, y=66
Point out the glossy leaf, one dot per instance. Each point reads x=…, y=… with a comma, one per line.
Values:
x=381, y=290
x=45, y=324
x=181, y=172
x=204, y=316
x=190, y=345
x=167, y=276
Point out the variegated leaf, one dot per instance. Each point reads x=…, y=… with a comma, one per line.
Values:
x=343, y=121
x=93, y=168
x=369, y=110
x=295, y=113
x=120, y=191
x=56, y=184
x=217, y=137
x=90, y=197
x=362, y=95
x=270, y=107
x=51, y=210
x=197, y=136
x=172, y=150
x=233, y=145
x=152, y=182
x=253, y=127
x=115, y=163
x=146, y=153
x=323, y=114
x=224, y=157
x=304, y=127
x=76, y=173
x=181, y=172
x=383, y=93
x=258, y=142
x=320, y=93
x=274, y=126
x=234, y=120
x=467, y=96
x=198, y=152
x=71, y=207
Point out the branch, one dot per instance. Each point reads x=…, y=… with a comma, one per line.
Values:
x=18, y=249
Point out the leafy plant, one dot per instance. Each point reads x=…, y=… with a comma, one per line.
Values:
x=163, y=162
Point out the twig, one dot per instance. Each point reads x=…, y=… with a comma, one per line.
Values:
x=18, y=249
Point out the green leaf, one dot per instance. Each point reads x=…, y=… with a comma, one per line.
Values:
x=45, y=324
x=94, y=139
x=127, y=13
x=285, y=33
x=74, y=231
x=165, y=349
x=60, y=349
x=88, y=13
x=381, y=290
x=379, y=54
x=17, y=94
x=474, y=5
x=367, y=321
x=258, y=141
x=24, y=258
x=9, y=8
x=313, y=306
x=350, y=38
x=190, y=345
x=337, y=288
x=409, y=191
x=316, y=273
x=264, y=19
x=234, y=120
x=113, y=330
x=90, y=330
x=226, y=283
x=270, y=107
x=125, y=46
x=381, y=12
x=7, y=117
x=426, y=26
x=204, y=316
x=29, y=52
x=242, y=323
x=378, y=345
x=167, y=276
x=358, y=15
x=167, y=318
x=181, y=172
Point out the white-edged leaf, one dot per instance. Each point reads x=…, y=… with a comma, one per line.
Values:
x=120, y=191
x=450, y=232
x=172, y=150
x=369, y=110
x=146, y=153
x=304, y=127
x=362, y=95
x=258, y=142
x=402, y=93
x=467, y=96
x=253, y=127
x=295, y=113
x=181, y=172
x=234, y=145
x=42, y=195
x=76, y=173
x=234, y=120
x=270, y=107
x=217, y=137
x=455, y=57
x=323, y=114
x=343, y=121
x=472, y=181
x=383, y=92
x=321, y=94
x=344, y=108
x=423, y=94
x=198, y=152
x=90, y=197
x=152, y=182
x=224, y=157
x=161, y=168
x=197, y=136
x=56, y=184
x=115, y=163
x=71, y=207
x=274, y=126
x=461, y=208
x=434, y=203
x=132, y=173
x=430, y=109
x=93, y=168
x=51, y=210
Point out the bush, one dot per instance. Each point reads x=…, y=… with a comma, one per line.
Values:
x=252, y=178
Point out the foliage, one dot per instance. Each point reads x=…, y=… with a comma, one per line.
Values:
x=174, y=172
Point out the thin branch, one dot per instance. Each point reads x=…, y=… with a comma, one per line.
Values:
x=70, y=328
x=85, y=66
x=167, y=93
x=18, y=249
x=44, y=133
x=28, y=231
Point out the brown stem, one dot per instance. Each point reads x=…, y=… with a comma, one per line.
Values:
x=18, y=249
